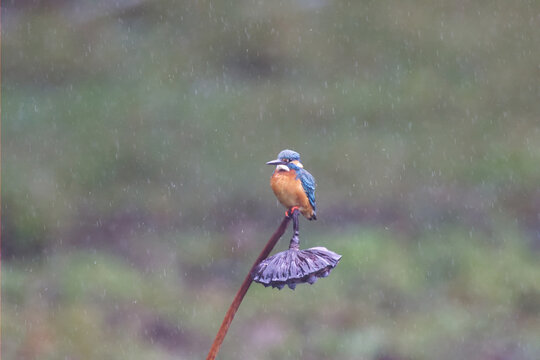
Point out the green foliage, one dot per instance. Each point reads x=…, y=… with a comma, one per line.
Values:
x=447, y=293
x=135, y=195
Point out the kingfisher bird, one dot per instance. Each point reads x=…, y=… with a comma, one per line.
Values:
x=294, y=187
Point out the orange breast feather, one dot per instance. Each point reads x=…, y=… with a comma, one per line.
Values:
x=289, y=191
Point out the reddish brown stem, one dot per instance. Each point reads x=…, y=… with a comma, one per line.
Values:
x=243, y=290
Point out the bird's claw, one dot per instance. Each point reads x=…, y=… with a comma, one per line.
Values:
x=289, y=213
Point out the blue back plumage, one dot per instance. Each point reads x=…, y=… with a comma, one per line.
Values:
x=308, y=182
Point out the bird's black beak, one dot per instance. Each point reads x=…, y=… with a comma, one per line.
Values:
x=275, y=162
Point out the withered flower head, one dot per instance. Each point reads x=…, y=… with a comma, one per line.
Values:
x=295, y=266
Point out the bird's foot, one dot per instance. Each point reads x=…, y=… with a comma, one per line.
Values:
x=289, y=213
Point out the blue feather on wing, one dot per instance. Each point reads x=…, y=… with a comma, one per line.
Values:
x=308, y=183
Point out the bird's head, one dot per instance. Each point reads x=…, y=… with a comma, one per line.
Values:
x=287, y=160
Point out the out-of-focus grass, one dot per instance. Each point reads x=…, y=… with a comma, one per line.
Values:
x=135, y=194
x=449, y=293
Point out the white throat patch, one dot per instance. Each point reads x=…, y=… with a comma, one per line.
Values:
x=282, y=167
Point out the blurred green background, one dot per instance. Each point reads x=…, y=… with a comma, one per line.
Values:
x=135, y=194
